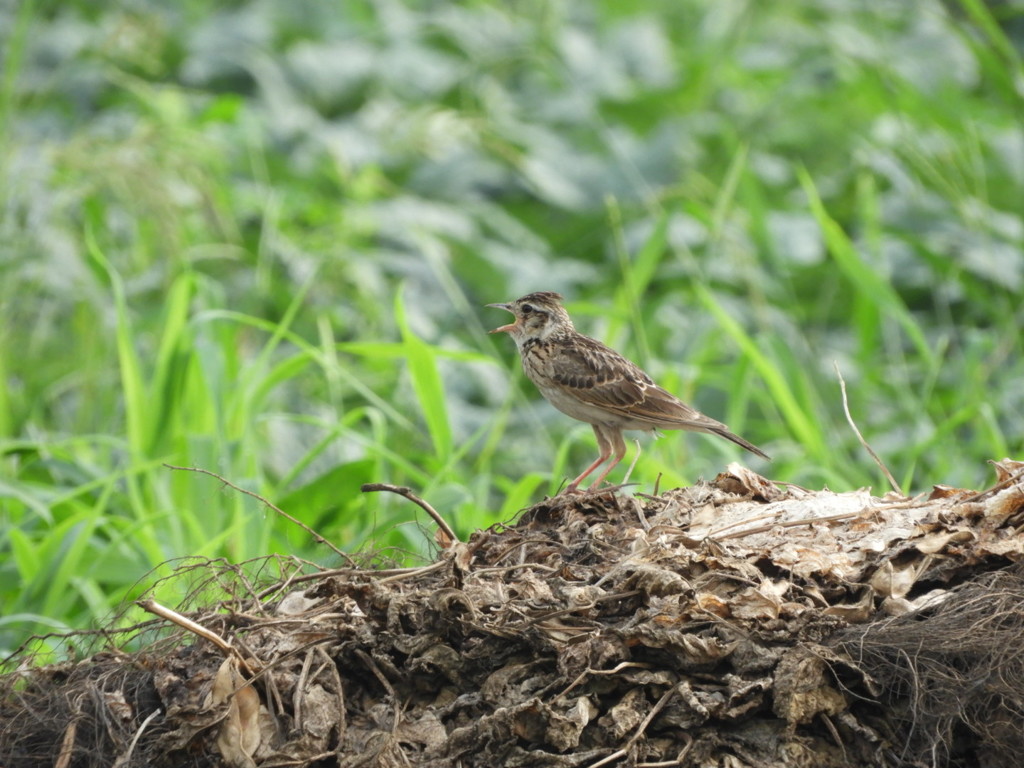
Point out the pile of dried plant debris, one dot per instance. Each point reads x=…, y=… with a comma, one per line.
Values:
x=733, y=623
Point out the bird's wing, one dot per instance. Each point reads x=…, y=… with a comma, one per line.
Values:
x=602, y=377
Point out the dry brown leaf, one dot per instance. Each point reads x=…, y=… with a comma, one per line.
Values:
x=1007, y=502
x=239, y=734
x=625, y=716
x=1006, y=469
x=803, y=687
x=891, y=580
x=933, y=543
x=1007, y=547
x=296, y=604
x=712, y=603
x=655, y=580
x=854, y=613
x=741, y=481
x=756, y=604
x=427, y=730
x=564, y=731
x=319, y=714
x=947, y=492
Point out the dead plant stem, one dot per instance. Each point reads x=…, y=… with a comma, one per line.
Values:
x=402, y=490
x=868, y=448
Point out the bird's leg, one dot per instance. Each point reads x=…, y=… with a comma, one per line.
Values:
x=605, y=447
x=613, y=439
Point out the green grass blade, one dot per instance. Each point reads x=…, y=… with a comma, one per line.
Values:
x=981, y=14
x=6, y=406
x=133, y=387
x=797, y=418
x=870, y=284
x=637, y=274
x=172, y=364
x=426, y=381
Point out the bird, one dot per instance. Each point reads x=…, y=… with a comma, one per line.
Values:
x=593, y=383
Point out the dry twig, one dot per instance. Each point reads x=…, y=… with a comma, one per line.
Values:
x=624, y=750
x=402, y=490
x=152, y=606
x=1015, y=477
x=868, y=448
x=316, y=536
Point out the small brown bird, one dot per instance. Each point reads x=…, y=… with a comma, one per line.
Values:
x=583, y=378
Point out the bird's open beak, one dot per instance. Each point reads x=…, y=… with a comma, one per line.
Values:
x=504, y=328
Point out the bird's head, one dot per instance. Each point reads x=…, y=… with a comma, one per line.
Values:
x=537, y=316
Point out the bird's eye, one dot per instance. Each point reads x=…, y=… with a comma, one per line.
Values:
x=527, y=308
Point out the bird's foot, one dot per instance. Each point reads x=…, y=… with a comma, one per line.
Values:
x=594, y=489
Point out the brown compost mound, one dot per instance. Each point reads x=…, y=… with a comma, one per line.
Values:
x=733, y=623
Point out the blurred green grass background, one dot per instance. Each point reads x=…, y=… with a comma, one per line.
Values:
x=257, y=237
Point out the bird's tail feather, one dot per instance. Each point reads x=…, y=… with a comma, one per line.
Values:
x=742, y=443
